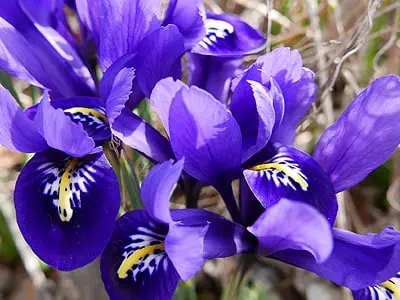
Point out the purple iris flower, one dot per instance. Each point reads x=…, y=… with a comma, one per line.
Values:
x=216, y=143
x=253, y=142
x=217, y=58
x=37, y=46
x=68, y=192
x=59, y=195
x=151, y=249
x=132, y=34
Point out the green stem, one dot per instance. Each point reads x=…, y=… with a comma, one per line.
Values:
x=130, y=183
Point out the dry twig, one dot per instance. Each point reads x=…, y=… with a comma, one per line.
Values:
x=392, y=40
x=354, y=45
x=312, y=8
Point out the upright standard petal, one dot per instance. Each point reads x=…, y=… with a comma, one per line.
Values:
x=284, y=64
x=292, y=174
x=15, y=60
x=124, y=24
x=17, y=131
x=252, y=106
x=298, y=100
x=60, y=132
x=119, y=93
x=307, y=230
x=135, y=264
x=189, y=17
x=357, y=261
x=297, y=86
x=157, y=189
x=364, y=136
x=229, y=36
x=159, y=56
x=161, y=98
x=89, y=14
x=66, y=207
x=205, y=133
x=109, y=78
x=57, y=66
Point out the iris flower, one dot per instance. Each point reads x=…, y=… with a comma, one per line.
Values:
x=133, y=34
x=37, y=46
x=151, y=249
x=59, y=198
x=67, y=196
x=68, y=193
x=216, y=142
x=253, y=142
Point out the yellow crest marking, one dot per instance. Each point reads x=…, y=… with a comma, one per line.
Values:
x=65, y=210
x=88, y=111
x=392, y=287
x=136, y=257
x=284, y=169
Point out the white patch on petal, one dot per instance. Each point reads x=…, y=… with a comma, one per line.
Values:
x=150, y=246
x=282, y=169
x=93, y=118
x=216, y=30
x=388, y=290
x=74, y=177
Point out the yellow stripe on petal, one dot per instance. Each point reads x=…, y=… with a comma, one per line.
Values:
x=289, y=172
x=136, y=257
x=88, y=111
x=65, y=210
x=392, y=287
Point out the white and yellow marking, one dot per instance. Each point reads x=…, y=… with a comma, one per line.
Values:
x=392, y=288
x=136, y=257
x=88, y=111
x=388, y=290
x=292, y=174
x=65, y=193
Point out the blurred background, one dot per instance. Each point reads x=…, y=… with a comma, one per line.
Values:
x=347, y=43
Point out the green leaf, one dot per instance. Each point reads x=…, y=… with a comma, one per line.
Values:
x=35, y=94
x=144, y=110
x=130, y=187
x=6, y=82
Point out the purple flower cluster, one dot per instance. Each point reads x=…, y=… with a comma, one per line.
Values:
x=67, y=196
